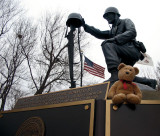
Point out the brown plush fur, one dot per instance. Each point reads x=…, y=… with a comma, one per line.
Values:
x=117, y=92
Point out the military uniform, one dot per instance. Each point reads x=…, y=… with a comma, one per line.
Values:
x=123, y=48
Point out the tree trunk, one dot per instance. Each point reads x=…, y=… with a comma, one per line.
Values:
x=3, y=103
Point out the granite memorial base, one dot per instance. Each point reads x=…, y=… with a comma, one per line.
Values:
x=72, y=112
x=84, y=111
x=67, y=119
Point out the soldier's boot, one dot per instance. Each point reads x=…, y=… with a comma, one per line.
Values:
x=113, y=78
x=150, y=82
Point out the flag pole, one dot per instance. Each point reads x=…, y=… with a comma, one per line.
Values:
x=81, y=58
x=81, y=83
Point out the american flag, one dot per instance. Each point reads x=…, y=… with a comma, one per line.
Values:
x=93, y=68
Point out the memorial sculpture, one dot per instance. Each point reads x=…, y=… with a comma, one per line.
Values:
x=84, y=111
x=119, y=45
x=124, y=90
x=74, y=21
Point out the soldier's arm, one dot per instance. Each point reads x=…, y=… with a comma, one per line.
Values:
x=96, y=32
x=129, y=34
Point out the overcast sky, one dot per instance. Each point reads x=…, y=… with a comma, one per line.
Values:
x=144, y=14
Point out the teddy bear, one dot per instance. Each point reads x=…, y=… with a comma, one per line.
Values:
x=124, y=90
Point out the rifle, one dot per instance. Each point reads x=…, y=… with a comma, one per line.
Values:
x=70, y=45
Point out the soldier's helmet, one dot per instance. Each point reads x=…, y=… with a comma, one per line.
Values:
x=111, y=9
x=74, y=19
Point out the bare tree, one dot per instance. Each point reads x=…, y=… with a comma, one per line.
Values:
x=47, y=63
x=13, y=97
x=11, y=59
x=50, y=68
x=18, y=46
x=9, y=9
x=157, y=73
x=147, y=71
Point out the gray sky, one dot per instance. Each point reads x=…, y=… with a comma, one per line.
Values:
x=144, y=14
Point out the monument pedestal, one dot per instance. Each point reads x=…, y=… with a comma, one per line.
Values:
x=83, y=111
x=129, y=120
x=73, y=118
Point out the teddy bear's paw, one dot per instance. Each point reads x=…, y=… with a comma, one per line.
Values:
x=133, y=99
x=119, y=98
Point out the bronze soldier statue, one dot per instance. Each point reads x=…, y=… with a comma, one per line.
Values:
x=119, y=44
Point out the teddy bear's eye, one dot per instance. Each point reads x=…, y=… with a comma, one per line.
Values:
x=130, y=69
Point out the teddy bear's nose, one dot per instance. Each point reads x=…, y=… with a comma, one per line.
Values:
x=127, y=72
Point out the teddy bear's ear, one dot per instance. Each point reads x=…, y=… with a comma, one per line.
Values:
x=121, y=66
x=136, y=70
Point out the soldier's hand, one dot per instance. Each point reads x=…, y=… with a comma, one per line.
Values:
x=111, y=40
